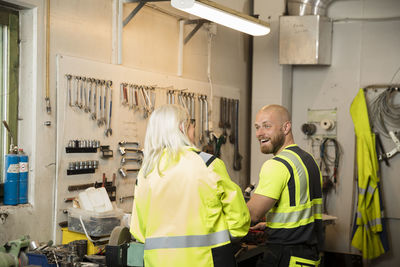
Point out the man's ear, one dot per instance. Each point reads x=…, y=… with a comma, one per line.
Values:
x=287, y=127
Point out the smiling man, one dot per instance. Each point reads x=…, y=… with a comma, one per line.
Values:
x=288, y=195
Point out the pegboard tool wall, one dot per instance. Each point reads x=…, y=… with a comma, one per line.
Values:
x=127, y=124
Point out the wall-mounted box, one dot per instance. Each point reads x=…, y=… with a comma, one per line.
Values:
x=305, y=40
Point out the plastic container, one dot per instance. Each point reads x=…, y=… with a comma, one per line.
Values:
x=23, y=178
x=97, y=224
x=95, y=199
x=11, y=179
x=39, y=260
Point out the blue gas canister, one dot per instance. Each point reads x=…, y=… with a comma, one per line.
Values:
x=23, y=177
x=11, y=179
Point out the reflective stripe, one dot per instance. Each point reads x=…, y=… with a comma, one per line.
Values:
x=294, y=216
x=371, y=223
x=370, y=190
x=291, y=185
x=302, y=175
x=207, y=158
x=188, y=241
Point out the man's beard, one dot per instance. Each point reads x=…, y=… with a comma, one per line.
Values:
x=275, y=144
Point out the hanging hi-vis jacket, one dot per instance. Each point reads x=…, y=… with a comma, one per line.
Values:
x=187, y=216
x=368, y=222
x=293, y=178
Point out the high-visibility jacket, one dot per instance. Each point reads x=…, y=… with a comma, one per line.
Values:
x=294, y=179
x=187, y=215
x=369, y=222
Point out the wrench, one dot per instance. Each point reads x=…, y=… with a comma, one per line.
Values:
x=122, y=143
x=80, y=105
x=94, y=109
x=124, y=160
x=108, y=131
x=105, y=89
x=89, y=97
x=201, y=139
x=100, y=111
x=77, y=79
x=69, y=77
x=84, y=85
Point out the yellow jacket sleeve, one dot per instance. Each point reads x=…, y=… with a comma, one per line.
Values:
x=234, y=206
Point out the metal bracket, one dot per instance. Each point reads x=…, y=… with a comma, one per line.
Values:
x=394, y=150
x=137, y=8
x=199, y=23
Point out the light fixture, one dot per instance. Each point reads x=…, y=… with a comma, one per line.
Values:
x=223, y=15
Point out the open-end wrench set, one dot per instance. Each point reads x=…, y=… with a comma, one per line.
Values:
x=229, y=119
x=188, y=101
x=138, y=97
x=93, y=96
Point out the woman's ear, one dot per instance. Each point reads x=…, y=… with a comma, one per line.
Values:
x=182, y=127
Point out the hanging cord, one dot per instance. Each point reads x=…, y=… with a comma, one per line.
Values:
x=384, y=112
x=329, y=177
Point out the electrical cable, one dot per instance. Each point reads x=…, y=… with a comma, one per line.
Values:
x=384, y=112
x=327, y=162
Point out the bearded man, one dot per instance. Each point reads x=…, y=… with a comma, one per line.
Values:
x=287, y=202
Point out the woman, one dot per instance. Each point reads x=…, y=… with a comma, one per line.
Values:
x=186, y=208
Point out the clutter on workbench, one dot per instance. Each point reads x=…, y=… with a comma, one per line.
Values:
x=96, y=215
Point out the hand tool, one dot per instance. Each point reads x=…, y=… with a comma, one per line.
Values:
x=84, y=92
x=233, y=118
x=100, y=118
x=76, y=78
x=94, y=109
x=201, y=139
x=131, y=96
x=80, y=104
x=121, y=199
x=122, y=143
x=237, y=158
x=124, y=160
x=90, y=84
x=123, y=150
x=69, y=89
x=108, y=131
x=124, y=172
x=135, y=89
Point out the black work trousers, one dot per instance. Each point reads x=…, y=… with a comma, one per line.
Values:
x=281, y=255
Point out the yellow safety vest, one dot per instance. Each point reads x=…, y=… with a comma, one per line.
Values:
x=369, y=221
x=187, y=216
x=297, y=216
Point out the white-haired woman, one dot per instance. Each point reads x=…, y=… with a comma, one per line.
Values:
x=186, y=208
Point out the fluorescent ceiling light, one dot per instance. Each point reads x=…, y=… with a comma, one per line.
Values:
x=223, y=15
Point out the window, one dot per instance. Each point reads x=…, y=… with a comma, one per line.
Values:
x=9, y=75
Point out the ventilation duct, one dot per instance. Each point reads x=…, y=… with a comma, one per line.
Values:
x=307, y=7
x=305, y=36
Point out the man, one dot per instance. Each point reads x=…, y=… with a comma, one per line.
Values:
x=186, y=208
x=289, y=194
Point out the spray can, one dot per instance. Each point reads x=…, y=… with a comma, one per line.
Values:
x=23, y=177
x=11, y=179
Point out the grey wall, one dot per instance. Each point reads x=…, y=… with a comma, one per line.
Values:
x=363, y=53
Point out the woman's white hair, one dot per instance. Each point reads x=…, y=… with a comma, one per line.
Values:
x=166, y=131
